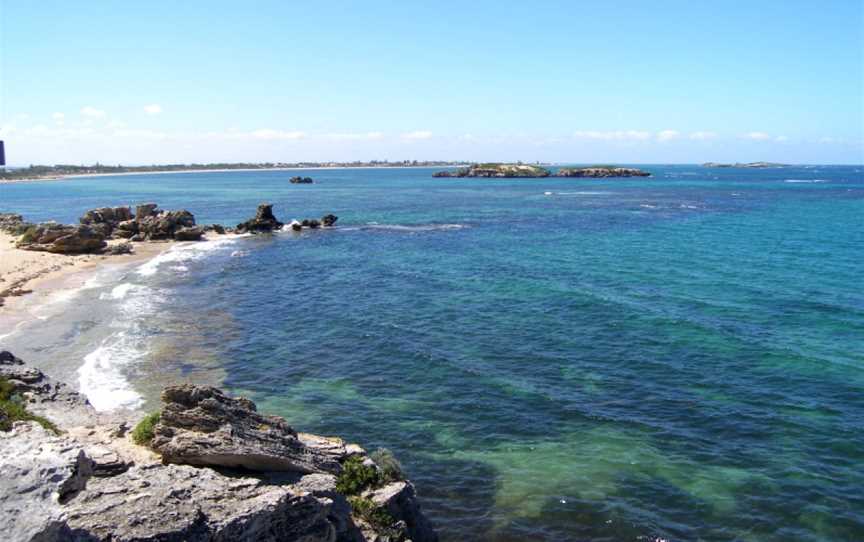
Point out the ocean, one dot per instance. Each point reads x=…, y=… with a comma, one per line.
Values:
x=679, y=357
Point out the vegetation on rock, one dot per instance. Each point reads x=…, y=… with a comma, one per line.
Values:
x=355, y=477
x=12, y=409
x=143, y=432
x=389, y=468
x=373, y=514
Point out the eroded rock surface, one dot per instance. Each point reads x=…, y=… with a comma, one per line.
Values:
x=263, y=222
x=200, y=425
x=92, y=483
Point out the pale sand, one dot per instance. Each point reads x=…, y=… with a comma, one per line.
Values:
x=23, y=271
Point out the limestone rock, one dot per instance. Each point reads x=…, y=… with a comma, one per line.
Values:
x=601, y=172
x=62, y=239
x=264, y=221
x=39, y=472
x=399, y=500
x=200, y=425
x=164, y=224
x=301, y=180
x=329, y=220
x=193, y=233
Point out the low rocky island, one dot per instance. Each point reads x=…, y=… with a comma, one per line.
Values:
x=601, y=172
x=207, y=467
x=496, y=171
x=753, y=165
x=535, y=172
x=300, y=180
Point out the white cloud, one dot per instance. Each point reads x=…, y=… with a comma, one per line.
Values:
x=781, y=139
x=6, y=130
x=90, y=111
x=268, y=134
x=143, y=134
x=702, y=136
x=153, y=109
x=667, y=135
x=618, y=135
x=366, y=136
x=757, y=136
x=116, y=124
x=59, y=118
x=418, y=134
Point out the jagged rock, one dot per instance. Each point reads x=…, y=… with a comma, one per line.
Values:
x=125, y=229
x=296, y=226
x=200, y=425
x=329, y=220
x=62, y=239
x=92, y=484
x=106, y=215
x=264, y=221
x=215, y=228
x=189, y=234
x=145, y=210
x=13, y=223
x=120, y=248
x=164, y=224
x=399, y=500
x=44, y=395
x=39, y=472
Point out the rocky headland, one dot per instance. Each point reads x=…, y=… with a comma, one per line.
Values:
x=536, y=172
x=207, y=467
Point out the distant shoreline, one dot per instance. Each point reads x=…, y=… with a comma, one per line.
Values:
x=222, y=170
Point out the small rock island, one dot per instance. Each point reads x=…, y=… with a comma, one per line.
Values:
x=496, y=171
x=301, y=180
x=601, y=172
x=536, y=172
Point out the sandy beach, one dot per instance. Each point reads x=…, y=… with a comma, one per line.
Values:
x=25, y=275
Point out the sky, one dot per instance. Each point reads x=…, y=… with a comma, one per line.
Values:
x=578, y=82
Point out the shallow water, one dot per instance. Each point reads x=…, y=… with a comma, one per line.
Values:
x=678, y=357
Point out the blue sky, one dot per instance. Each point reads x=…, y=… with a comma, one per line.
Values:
x=661, y=81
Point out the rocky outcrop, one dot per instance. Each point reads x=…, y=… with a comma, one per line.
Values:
x=263, y=222
x=601, y=172
x=497, y=171
x=91, y=483
x=161, y=225
x=13, y=223
x=148, y=223
x=329, y=220
x=301, y=180
x=62, y=239
x=202, y=426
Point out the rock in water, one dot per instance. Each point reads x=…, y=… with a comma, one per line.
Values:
x=264, y=221
x=329, y=220
x=200, y=425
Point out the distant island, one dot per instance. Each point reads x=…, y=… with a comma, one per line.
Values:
x=301, y=180
x=509, y=171
x=37, y=172
x=756, y=165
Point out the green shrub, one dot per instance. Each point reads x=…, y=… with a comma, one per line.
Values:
x=12, y=409
x=389, y=468
x=143, y=432
x=370, y=512
x=356, y=477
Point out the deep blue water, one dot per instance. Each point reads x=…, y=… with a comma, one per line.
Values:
x=555, y=359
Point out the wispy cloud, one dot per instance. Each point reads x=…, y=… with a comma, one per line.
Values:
x=92, y=112
x=153, y=109
x=702, y=136
x=364, y=136
x=269, y=134
x=59, y=118
x=668, y=135
x=781, y=139
x=418, y=134
x=756, y=136
x=616, y=135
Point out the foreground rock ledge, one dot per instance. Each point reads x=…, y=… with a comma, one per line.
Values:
x=90, y=482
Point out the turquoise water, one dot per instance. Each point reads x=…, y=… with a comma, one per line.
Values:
x=680, y=357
